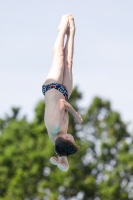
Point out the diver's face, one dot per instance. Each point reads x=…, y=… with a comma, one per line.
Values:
x=68, y=137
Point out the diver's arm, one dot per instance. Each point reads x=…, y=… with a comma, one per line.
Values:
x=70, y=109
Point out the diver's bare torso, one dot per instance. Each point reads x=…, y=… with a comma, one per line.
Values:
x=52, y=98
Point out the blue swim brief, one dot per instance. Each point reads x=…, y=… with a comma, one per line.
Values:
x=61, y=88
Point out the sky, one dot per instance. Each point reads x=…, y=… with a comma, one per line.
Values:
x=103, y=54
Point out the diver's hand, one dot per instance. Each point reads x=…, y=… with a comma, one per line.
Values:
x=78, y=119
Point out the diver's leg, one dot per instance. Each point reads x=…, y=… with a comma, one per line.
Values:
x=68, y=56
x=56, y=72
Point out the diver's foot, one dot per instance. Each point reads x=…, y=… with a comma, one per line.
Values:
x=63, y=24
x=72, y=24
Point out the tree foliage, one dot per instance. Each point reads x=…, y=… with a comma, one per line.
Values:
x=101, y=170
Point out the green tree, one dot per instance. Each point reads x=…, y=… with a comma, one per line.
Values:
x=101, y=170
x=110, y=150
